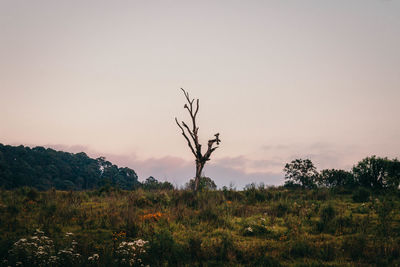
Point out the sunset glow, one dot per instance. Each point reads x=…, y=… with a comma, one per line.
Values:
x=278, y=80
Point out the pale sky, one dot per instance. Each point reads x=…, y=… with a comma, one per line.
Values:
x=278, y=80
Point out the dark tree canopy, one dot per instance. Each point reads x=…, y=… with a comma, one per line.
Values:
x=377, y=173
x=301, y=172
x=205, y=183
x=46, y=168
x=336, y=178
x=152, y=183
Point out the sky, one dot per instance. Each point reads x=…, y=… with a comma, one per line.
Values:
x=279, y=80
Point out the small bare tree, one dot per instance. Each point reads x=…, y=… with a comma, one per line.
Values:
x=193, y=141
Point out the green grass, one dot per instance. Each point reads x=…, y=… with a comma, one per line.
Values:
x=257, y=227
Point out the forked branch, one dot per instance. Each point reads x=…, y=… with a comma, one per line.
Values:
x=187, y=139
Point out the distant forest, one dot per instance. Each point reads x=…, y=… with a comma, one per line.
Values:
x=45, y=168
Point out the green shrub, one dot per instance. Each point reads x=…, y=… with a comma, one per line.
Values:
x=164, y=250
x=280, y=209
x=361, y=195
x=328, y=251
x=327, y=215
x=225, y=247
x=212, y=216
x=256, y=230
x=254, y=194
x=300, y=249
x=32, y=194
x=194, y=247
x=354, y=246
x=266, y=261
x=342, y=222
x=384, y=210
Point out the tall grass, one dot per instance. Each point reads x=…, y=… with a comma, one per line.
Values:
x=255, y=227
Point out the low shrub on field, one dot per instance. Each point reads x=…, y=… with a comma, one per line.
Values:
x=361, y=195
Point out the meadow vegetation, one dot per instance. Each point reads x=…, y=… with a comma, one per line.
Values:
x=98, y=214
x=258, y=226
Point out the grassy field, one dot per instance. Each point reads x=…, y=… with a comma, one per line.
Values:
x=254, y=227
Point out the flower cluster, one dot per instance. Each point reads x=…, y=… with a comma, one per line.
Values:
x=130, y=253
x=119, y=235
x=36, y=250
x=249, y=229
x=152, y=216
x=69, y=256
x=30, y=203
x=94, y=258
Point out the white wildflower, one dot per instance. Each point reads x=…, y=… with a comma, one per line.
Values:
x=249, y=229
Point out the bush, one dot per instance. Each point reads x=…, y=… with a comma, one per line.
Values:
x=194, y=247
x=327, y=213
x=254, y=194
x=32, y=194
x=326, y=222
x=131, y=253
x=225, y=246
x=164, y=250
x=354, y=246
x=280, y=209
x=267, y=261
x=301, y=249
x=205, y=183
x=328, y=251
x=361, y=195
x=212, y=216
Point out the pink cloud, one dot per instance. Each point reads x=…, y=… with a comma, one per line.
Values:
x=239, y=170
x=178, y=171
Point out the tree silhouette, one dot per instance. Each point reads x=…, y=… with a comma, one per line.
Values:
x=300, y=172
x=192, y=138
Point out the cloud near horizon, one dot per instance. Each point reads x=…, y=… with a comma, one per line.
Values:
x=238, y=170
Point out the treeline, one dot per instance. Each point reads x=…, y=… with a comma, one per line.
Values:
x=45, y=168
x=374, y=173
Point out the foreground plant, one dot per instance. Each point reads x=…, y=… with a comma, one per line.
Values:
x=131, y=253
x=37, y=250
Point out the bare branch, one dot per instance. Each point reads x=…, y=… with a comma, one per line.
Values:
x=208, y=153
x=197, y=107
x=190, y=132
x=187, y=139
x=188, y=98
x=210, y=148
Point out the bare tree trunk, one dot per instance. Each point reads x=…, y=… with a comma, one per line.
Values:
x=193, y=141
x=199, y=170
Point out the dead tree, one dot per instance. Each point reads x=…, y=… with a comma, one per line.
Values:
x=192, y=138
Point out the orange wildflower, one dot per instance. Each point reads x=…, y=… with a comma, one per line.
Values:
x=152, y=216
